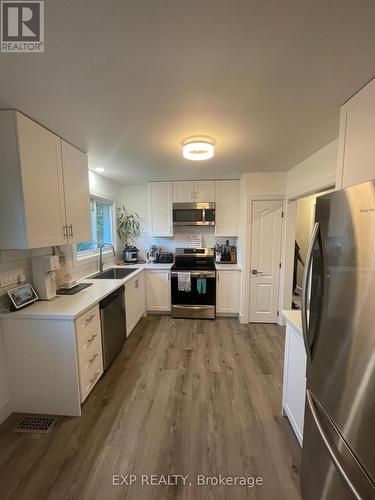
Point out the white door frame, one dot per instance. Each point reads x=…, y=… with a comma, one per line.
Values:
x=287, y=257
x=246, y=252
x=276, y=276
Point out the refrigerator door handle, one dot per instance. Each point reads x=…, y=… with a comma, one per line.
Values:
x=331, y=452
x=306, y=276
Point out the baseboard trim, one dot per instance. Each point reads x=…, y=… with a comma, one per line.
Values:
x=5, y=411
x=242, y=318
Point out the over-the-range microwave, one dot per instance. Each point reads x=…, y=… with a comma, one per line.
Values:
x=193, y=214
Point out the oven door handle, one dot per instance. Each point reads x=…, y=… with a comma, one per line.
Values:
x=197, y=274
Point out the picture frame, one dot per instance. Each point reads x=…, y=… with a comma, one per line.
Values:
x=22, y=296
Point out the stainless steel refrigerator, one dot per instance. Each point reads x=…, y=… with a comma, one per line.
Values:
x=338, y=317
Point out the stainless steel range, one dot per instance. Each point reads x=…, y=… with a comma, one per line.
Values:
x=193, y=281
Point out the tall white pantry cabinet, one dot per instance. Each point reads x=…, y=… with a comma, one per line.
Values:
x=44, y=190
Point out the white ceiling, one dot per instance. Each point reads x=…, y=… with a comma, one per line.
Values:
x=128, y=80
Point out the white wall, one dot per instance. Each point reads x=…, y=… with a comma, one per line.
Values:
x=315, y=173
x=260, y=183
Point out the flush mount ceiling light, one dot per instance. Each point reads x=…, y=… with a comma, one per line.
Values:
x=198, y=148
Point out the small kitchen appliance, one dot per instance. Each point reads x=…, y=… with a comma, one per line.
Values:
x=44, y=275
x=130, y=254
x=153, y=255
x=21, y=296
x=193, y=214
x=165, y=258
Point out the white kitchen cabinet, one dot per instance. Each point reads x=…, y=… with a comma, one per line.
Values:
x=158, y=290
x=77, y=196
x=134, y=302
x=193, y=191
x=294, y=383
x=160, y=208
x=227, y=208
x=89, y=350
x=32, y=212
x=227, y=291
x=356, y=154
x=53, y=364
x=204, y=191
x=33, y=199
x=183, y=191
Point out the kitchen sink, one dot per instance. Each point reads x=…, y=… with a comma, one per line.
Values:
x=114, y=273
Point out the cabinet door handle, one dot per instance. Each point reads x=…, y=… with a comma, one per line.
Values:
x=218, y=277
x=71, y=231
x=169, y=276
x=65, y=229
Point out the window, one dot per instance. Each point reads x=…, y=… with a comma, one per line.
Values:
x=101, y=227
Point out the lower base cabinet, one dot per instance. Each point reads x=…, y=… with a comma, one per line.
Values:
x=227, y=291
x=294, y=384
x=134, y=301
x=158, y=290
x=89, y=350
x=53, y=364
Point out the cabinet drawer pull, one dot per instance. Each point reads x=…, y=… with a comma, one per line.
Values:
x=93, y=337
x=92, y=379
x=90, y=318
x=92, y=359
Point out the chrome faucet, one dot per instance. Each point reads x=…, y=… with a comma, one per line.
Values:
x=101, y=254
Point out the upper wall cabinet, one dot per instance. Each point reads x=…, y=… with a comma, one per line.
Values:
x=356, y=155
x=160, y=208
x=36, y=191
x=183, y=191
x=77, y=195
x=191, y=191
x=227, y=206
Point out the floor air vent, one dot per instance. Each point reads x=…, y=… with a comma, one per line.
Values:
x=36, y=424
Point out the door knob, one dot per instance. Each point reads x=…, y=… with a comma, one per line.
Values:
x=255, y=271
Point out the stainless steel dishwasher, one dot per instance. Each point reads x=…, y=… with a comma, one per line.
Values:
x=112, y=317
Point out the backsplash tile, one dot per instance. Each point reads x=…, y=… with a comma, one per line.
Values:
x=179, y=239
x=20, y=260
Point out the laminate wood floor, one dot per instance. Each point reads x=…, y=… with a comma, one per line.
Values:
x=184, y=397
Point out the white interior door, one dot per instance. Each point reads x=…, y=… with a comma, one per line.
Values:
x=265, y=260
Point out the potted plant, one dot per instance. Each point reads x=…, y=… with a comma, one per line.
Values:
x=128, y=228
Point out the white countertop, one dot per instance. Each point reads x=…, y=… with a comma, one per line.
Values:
x=70, y=306
x=146, y=266
x=227, y=267
x=293, y=316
